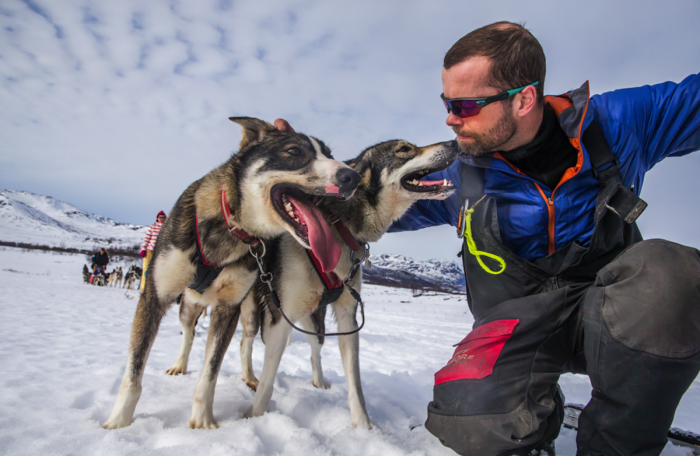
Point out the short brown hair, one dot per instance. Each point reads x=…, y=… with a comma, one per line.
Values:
x=517, y=58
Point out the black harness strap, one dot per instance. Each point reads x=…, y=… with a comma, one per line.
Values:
x=206, y=273
x=624, y=202
x=472, y=186
x=332, y=285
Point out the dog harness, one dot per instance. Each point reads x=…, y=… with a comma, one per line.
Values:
x=206, y=272
x=332, y=284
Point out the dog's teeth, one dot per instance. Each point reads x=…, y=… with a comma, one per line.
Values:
x=420, y=184
x=444, y=182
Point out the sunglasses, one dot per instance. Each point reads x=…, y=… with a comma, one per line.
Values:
x=468, y=107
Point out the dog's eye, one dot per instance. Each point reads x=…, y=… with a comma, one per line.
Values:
x=293, y=151
x=404, y=149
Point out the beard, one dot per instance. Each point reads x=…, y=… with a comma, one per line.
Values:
x=491, y=140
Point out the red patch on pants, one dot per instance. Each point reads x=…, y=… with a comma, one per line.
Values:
x=477, y=353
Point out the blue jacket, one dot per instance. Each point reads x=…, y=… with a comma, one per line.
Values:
x=642, y=126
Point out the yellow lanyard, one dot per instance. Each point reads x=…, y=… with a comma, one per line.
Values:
x=471, y=245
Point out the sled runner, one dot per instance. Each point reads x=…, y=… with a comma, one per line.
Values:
x=678, y=437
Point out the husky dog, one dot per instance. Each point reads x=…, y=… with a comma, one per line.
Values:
x=130, y=278
x=86, y=274
x=115, y=277
x=99, y=278
x=391, y=173
x=206, y=242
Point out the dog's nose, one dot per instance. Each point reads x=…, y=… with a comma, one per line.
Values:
x=347, y=180
x=451, y=144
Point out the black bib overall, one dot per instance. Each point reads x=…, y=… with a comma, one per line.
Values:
x=622, y=310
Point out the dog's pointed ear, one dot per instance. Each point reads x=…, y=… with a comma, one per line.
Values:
x=254, y=129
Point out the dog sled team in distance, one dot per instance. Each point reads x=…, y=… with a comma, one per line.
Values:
x=116, y=278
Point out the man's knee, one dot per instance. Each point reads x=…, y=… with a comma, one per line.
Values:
x=488, y=434
x=652, y=298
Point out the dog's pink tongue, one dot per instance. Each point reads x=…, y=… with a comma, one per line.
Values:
x=321, y=239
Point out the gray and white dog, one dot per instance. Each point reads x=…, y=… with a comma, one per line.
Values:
x=210, y=228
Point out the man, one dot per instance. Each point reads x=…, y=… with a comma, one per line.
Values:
x=100, y=260
x=149, y=243
x=558, y=277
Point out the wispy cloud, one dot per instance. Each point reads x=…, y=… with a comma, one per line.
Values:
x=117, y=106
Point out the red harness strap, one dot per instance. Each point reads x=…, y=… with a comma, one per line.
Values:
x=330, y=279
x=344, y=233
x=235, y=231
x=199, y=241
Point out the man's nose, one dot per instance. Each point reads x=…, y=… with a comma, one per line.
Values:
x=452, y=120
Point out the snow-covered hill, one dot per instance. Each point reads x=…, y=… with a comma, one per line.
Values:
x=401, y=271
x=35, y=219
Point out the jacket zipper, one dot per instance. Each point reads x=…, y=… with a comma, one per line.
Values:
x=549, y=202
x=550, y=223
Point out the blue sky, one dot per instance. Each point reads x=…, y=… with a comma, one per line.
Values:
x=116, y=107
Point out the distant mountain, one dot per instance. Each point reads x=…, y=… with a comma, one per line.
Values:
x=400, y=271
x=35, y=219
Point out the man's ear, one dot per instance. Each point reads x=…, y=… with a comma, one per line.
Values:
x=527, y=100
x=254, y=129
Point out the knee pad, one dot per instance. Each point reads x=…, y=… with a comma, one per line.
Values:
x=652, y=298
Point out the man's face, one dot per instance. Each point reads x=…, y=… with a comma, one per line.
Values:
x=161, y=218
x=494, y=126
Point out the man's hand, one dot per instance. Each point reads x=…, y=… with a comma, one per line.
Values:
x=283, y=125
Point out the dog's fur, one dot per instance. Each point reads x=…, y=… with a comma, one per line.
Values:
x=130, y=278
x=382, y=197
x=115, y=277
x=100, y=278
x=86, y=274
x=269, y=164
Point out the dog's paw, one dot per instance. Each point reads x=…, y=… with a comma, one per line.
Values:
x=176, y=369
x=203, y=421
x=364, y=420
x=253, y=412
x=360, y=416
x=113, y=423
x=252, y=384
x=321, y=384
x=248, y=412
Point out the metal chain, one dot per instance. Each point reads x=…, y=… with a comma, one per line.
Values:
x=266, y=278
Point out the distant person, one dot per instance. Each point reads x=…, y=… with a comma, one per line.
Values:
x=100, y=260
x=149, y=244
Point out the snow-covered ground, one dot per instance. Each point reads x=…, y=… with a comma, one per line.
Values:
x=63, y=349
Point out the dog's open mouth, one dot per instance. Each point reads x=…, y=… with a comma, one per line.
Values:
x=299, y=210
x=413, y=183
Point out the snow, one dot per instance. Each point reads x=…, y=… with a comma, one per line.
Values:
x=63, y=349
